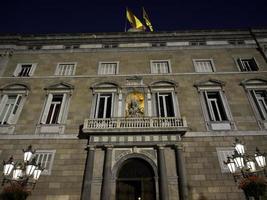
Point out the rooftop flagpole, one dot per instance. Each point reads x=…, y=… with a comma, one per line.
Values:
x=125, y=23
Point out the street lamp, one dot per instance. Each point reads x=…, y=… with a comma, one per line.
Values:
x=26, y=173
x=250, y=170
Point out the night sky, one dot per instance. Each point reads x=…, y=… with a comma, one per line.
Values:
x=58, y=16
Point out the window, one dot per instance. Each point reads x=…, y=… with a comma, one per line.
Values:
x=24, y=70
x=203, y=65
x=257, y=94
x=223, y=153
x=160, y=67
x=103, y=106
x=55, y=109
x=164, y=105
x=164, y=101
x=248, y=64
x=11, y=103
x=65, y=69
x=106, y=103
x=215, y=108
x=108, y=68
x=46, y=158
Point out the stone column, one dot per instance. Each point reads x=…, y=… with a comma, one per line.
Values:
x=106, y=184
x=88, y=174
x=163, y=182
x=181, y=172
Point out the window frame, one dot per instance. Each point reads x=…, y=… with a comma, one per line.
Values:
x=215, y=86
x=202, y=60
x=238, y=61
x=153, y=71
x=255, y=85
x=19, y=68
x=11, y=90
x=65, y=63
x=108, y=62
x=46, y=171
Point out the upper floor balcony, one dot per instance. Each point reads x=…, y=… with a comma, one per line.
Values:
x=135, y=124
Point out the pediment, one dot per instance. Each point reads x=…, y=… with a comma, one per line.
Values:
x=254, y=82
x=105, y=85
x=210, y=82
x=60, y=86
x=164, y=83
x=16, y=86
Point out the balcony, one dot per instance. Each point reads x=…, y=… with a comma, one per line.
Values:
x=142, y=124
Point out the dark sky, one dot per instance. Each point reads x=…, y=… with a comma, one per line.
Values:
x=77, y=16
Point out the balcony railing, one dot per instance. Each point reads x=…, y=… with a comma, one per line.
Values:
x=135, y=124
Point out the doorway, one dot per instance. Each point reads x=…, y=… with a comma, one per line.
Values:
x=135, y=181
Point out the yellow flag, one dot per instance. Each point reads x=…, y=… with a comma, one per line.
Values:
x=147, y=20
x=134, y=21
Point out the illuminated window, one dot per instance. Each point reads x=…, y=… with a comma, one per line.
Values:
x=108, y=68
x=65, y=69
x=160, y=67
x=24, y=70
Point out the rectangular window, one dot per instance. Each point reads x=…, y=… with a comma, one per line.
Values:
x=260, y=99
x=223, y=153
x=24, y=70
x=215, y=106
x=160, y=67
x=248, y=64
x=108, y=68
x=54, y=109
x=103, y=106
x=9, y=108
x=165, y=105
x=65, y=69
x=203, y=65
x=45, y=158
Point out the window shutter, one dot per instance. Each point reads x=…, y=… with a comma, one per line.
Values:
x=257, y=104
x=62, y=108
x=153, y=68
x=46, y=109
x=209, y=107
x=32, y=69
x=17, y=70
x=57, y=70
x=12, y=117
x=239, y=61
x=3, y=103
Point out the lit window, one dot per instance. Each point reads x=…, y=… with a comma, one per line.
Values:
x=203, y=65
x=103, y=106
x=214, y=104
x=165, y=105
x=160, y=67
x=248, y=64
x=65, y=69
x=24, y=70
x=45, y=158
x=108, y=68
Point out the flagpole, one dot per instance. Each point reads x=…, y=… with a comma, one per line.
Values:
x=125, y=24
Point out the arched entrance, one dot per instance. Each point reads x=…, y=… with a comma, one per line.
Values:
x=135, y=181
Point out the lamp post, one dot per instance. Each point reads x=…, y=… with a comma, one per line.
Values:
x=248, y=170
x=22, y=174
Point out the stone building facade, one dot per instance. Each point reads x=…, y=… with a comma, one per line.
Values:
x=134, y=115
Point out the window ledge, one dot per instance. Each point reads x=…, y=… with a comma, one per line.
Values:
x=7, y=129
x=220, y=126
x=50, y=128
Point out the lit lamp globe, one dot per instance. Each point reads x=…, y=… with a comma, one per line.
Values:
x=239, y=147
x=238, y=159
x=31, y=167
x=28, y=153
x=8, y=166
x=260, y=158
x=251, y=165
x=230, y=164
x=37, y=172
x=17, y=173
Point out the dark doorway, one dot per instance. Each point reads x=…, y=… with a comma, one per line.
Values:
x=135, y=181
